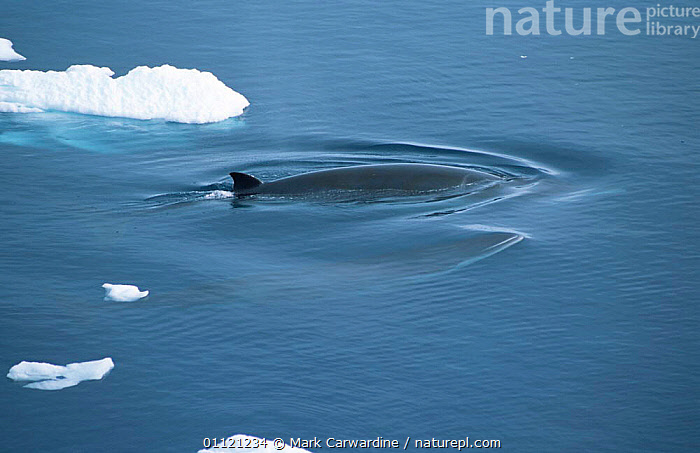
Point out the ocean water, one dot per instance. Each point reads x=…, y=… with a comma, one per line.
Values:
x=555, y=311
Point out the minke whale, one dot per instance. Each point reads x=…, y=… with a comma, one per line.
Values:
x=381, y=177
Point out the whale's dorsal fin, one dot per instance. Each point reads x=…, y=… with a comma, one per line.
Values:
x=242, y=181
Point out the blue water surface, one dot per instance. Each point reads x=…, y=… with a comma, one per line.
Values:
x=555, y=311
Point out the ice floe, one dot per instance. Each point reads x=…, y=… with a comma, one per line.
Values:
x=17, y=108
x=7, y=53
x=47, y=376
x=163, y=92
x=242, y=443
x=123, y=293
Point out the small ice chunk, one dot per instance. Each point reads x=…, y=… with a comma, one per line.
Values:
x=55, y=377
x=123, y=293
x=242, y=443
x=7, y=53
x=163, y=92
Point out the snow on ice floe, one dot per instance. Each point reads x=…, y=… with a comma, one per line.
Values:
x=7, y=53
x=47, y=376
x=242, y=443
x=123, y=293
x=163, y=92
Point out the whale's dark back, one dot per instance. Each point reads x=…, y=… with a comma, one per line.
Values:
x=394, y=177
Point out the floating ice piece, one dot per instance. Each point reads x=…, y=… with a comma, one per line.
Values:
x=242, y=443
x=163, y=92
x=7, y=53
x=123, y=293
x=56, y=377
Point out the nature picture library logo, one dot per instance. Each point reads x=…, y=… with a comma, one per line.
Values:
x=658, y=20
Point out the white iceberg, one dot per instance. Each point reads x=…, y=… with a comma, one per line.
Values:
x=17, y=108
x=7, y=53
x=242, y=443
x=123, y=293
x=163, y=92
x=56, y=377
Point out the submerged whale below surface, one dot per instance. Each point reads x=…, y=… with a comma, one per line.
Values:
x=382, y=177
